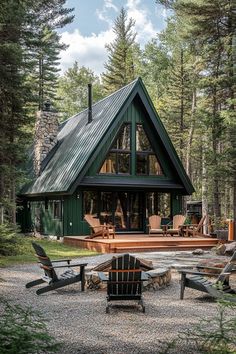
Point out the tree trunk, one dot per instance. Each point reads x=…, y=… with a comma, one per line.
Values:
x=181, y=143
x=215, y=138
x=204, y=181
x=190, y=135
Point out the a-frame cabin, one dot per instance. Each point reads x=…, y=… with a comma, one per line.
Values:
x=116, y=163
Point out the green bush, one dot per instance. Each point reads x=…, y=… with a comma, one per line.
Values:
x=10, y=240
x=23, y=331
x=215, y=335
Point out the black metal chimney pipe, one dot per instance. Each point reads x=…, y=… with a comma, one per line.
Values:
x=90, y=118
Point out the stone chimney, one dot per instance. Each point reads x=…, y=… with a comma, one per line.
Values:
x=45, y=136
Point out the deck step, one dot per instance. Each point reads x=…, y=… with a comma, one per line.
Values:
x=171, y=247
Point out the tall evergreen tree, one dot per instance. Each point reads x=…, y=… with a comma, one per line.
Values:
x=73, y=90
x=21, y=22
x=211, y=26
x=120, y=65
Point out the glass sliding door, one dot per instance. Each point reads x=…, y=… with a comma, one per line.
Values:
x=128, y=209
x=125, y=210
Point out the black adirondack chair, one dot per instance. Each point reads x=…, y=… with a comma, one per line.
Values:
x=124, y=281
x=199, y=280
x=50, y=276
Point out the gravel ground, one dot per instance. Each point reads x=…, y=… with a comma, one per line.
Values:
x=78, y=320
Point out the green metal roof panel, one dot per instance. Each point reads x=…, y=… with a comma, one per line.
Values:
x=77, y=140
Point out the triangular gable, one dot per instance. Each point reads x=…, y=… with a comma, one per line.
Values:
x=79, y=143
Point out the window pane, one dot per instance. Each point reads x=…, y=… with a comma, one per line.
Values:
x=141, y=167
x=123, y=140
x=90, y=203
x=109, y=165
x=158, y=204
x=57, y=209
x=106, y=208
x=154, y=166
x=142, y=142
x=123, y=163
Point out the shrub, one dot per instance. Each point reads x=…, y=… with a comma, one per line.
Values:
x=217, y=334
x=10, y=240
x=23, y=331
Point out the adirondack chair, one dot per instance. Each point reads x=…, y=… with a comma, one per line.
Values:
x=124, y=281
x=174, y=228
x=197, y=280
x=193, y=230
x=50, y=276
x=97, y=229
x=154, y=226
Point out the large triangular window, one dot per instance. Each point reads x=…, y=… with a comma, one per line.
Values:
x=147, y=163
x=119, y=157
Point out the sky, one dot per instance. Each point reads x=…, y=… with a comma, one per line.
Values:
x=92, y=29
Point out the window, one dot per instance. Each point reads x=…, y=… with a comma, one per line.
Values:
x=57, y=209
x=146, y=160
x=118, y=158
x=90, y=203
x=158, y=204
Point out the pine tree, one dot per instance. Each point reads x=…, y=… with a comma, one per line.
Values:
x=73, y=90
x=120, y=65
x=21, y=22
x=210, y=25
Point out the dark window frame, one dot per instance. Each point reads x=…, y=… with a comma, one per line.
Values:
x=57, y=213
x=146, y=154
x=117, y=152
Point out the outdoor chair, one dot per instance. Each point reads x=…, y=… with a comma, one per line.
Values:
x=175, y=226
x=199, y=280
x=97, y=229
x=193, y=230
x=124, y=280
x=50, y=276
x=154, y=226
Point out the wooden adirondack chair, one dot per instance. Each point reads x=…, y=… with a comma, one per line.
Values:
x=99, y=230
x=193, y=230
x=154, y=226
x=178, y=221
x=124, y=281
x=197, y=280
x=50, y=276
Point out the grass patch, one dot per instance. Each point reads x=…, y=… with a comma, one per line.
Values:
x=54, y=249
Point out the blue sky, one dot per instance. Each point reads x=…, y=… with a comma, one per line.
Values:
x=92, y=29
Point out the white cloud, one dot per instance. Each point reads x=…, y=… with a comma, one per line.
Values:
x=143, y=26
x=103, y=14
x=89, y=51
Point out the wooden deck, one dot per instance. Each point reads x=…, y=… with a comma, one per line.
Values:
x=140, y=243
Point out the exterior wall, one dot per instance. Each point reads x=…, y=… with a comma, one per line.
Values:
x=73, y=217
x=38, y=215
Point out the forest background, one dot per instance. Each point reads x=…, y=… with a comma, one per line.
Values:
x=188, y=69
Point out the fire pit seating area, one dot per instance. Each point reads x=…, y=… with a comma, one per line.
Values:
x=156, y=278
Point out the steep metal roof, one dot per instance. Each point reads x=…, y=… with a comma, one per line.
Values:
x=79, y=143
x=76, y=142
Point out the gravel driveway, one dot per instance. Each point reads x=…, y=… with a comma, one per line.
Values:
x=79, y=321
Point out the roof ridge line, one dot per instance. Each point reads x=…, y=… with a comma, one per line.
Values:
x=94, y=104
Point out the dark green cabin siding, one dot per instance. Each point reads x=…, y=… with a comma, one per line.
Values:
x=73, y=218
x=35, y=216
